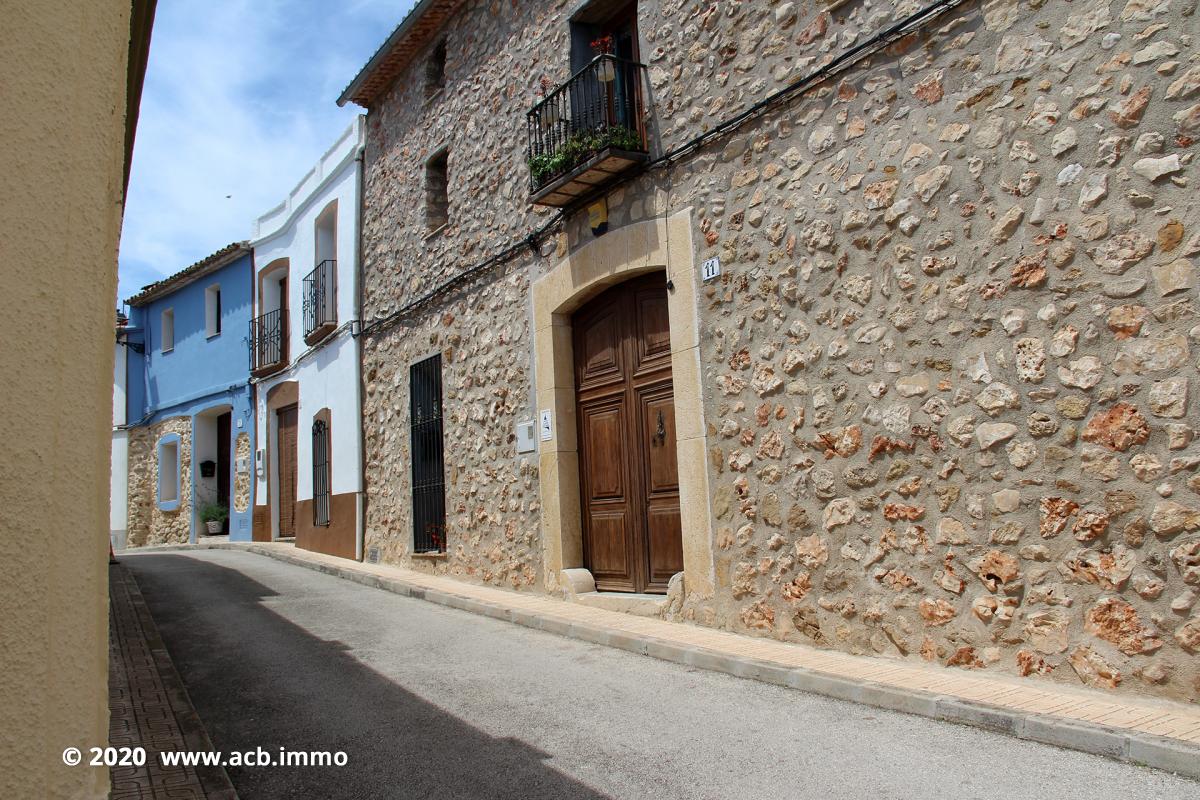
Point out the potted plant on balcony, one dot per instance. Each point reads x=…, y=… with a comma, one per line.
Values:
x=606, y=70
x=213, y=515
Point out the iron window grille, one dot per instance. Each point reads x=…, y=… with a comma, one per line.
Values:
x=322, y=490
x=320, y=305
x=428, y=456
x=267, y=339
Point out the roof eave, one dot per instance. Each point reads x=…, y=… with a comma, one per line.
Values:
x=206, y=266
x=359, y=91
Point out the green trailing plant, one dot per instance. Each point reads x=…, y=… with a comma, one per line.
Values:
x=578, y=147
x=213, y=512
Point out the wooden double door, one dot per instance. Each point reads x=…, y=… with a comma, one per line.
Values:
x=628, y=469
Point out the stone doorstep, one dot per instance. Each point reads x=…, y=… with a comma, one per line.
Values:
x=740, y=656
x=640, y=605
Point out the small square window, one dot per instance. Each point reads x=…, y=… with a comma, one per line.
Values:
x=212, y=310
x=435, y=70
x=437, y=202
x=168, y=330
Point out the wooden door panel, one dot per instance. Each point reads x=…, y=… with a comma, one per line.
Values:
x=658, y=441
x=652, y=333
x=608, y=547
x=598, y=348
x=604, y=432
x=665, y=537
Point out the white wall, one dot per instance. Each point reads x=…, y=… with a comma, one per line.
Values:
x=118, y=482
x=328, y=374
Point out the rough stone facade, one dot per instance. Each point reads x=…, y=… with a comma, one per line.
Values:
x=241, y=478
x=949, y=366
x=491, y=492
x=148, y=524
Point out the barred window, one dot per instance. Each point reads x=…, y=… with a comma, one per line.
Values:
x=428, y=458
x=322, y=491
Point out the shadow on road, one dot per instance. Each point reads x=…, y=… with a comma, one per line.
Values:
x=258, y=680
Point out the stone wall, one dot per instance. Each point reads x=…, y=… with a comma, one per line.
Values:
x=491, y=492
x=241, y=478
x=947, y=364
x=483, y=332
x=148, y=524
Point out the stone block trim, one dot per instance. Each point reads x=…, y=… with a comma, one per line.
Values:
x=149, y=524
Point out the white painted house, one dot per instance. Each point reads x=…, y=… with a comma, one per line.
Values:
x=118, y=490
x=304, y=359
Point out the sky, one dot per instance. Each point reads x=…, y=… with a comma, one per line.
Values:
x=239, y=102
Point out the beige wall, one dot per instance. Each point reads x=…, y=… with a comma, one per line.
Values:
x=64, y=90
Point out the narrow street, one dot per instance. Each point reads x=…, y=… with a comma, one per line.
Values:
x=430, y=702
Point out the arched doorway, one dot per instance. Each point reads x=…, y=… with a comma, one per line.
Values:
x=625, y=412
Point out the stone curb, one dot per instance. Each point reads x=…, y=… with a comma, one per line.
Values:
x=1170, y=755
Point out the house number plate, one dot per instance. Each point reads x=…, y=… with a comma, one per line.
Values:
x=710, y=269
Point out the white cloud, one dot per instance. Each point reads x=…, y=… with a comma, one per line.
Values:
x=239, y=102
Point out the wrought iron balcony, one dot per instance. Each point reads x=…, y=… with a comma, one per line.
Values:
x=268, y=342
x=587, y=131
x=320, y=301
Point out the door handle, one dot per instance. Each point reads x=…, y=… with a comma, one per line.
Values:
x=661, y=432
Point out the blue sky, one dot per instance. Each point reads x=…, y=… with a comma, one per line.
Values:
x=239, y=102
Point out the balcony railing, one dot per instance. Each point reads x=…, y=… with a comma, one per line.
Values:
x=268, y=342
x=320, y=301
x=587, y=131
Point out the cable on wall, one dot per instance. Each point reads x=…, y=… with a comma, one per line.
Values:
x=848, y=58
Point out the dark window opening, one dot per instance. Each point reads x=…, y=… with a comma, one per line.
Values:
x=217, y=302
x=322, y=490
x=428, y=458
x=437, y=203
x=435, y=70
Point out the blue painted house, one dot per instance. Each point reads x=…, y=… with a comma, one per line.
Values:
x=189, y=416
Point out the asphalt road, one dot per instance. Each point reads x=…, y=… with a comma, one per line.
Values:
x=430, y=702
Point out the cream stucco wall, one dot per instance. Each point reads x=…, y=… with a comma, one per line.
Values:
x=64, y=90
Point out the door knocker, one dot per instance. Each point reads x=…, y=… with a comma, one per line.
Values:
x=661, y=432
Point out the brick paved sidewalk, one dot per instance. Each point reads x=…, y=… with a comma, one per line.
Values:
x=149, y=707
x=1156, y=733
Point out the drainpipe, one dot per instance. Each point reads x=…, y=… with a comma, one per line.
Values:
x=356, y=328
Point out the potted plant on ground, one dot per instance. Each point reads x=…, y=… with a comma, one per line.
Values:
x=213, y=515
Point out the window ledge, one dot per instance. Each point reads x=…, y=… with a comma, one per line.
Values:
x=168, y=505
x=429, y=556
x=437, y=231
x=315, y=336
x=212, y=335
x=431, y=99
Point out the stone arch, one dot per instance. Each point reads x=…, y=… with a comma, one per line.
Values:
x=654, y=245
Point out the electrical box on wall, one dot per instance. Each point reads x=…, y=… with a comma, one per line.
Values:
x=526, y=443
x=258, y=462
x=243, y=465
